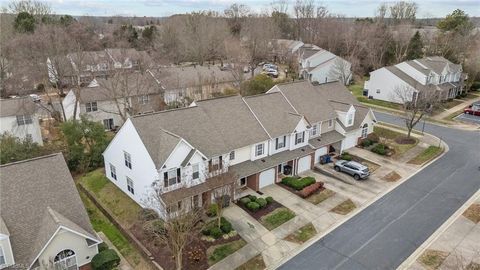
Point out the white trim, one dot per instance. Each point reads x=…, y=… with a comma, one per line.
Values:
x=55, y=234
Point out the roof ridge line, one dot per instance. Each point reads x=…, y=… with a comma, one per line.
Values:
x=30, y=159
x=256, y=118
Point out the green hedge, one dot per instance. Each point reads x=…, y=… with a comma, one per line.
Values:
x=380, y=149
x=211, y=229
x=105, y=260
x=298, y=184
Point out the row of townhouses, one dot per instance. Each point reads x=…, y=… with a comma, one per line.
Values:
x=405, y=81
x=43, y=223
x=111, y=100
x=258, y=138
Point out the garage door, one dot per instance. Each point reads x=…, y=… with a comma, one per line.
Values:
x=304, y=164
x=267, y=178
x=320, y=152
x=349, y=141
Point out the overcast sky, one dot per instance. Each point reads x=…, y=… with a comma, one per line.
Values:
x=161, y=8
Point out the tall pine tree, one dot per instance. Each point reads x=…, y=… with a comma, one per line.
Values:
x=415, y=47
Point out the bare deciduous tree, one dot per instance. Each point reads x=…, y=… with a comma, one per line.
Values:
x=416, y=104
x=341, y=70
x=224, y=194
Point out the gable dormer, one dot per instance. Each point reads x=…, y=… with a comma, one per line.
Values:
x=346, y=114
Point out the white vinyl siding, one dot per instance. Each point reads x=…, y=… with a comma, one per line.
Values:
x=2, y=257
x=232, y=155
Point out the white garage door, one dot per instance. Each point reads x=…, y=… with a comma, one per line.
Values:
x=267, y=178
x=349, y=141
x=320, y=152
x=304, y=164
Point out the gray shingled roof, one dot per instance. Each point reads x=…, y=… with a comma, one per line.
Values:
x=360, y=114
x=17, y=106
x=109, y=89
x=326, y=139
x=36, y=197
x=159, y=142
x=274, y=112
x=437, y=63
x=183, y=77
x=214, y=126
x=409, y=80
x=307, y=101
x=336, y=91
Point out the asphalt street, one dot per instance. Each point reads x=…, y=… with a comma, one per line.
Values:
x=388, y=231
x=475, y=119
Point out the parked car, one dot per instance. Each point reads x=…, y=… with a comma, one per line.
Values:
x=35, y=97
x=272, y=73
x=355, y=169
x=473, y=109
x=269, y=66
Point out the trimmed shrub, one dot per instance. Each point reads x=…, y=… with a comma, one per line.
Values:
x=309, y=190
x=289, y=179
x=380, y=149
x=296, y=183
x=102, y=246
x=253, y=206
x=226, y=226
x=215, y=232
x=366, y=143
x=262, y=202
x=373, y=137
x=346, y=156
x=252, y=198
x=105, y=260
x=212, y=210
x=269, y=199
x=245, y=200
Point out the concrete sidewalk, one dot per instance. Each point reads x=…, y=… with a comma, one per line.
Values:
x=459, y=107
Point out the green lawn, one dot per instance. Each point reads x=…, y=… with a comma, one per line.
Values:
x=219, y=252
x=344, y=208
x=100, y=223
x=320, y=196
x=111, y=197
x=390, y=136
x=276, y=218
x=255, y=263
x=303, y=234
x=428, y=154
x=356, y=88
x=387, y=133
x=357, y=91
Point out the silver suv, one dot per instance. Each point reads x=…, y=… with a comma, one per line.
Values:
x=357, y=170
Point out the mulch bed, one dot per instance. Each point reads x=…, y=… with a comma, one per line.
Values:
x=164, y=257
x=261, y=212
x=405, y=140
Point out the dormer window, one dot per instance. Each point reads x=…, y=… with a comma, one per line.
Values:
x=299, y=137
x=349, y=119
x=259, y=149
x=314, y=130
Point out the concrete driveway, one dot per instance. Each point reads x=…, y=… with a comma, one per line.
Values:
x=384, y=234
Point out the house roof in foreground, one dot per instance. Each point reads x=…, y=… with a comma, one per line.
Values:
x=307, y=101
x=214, y=126
x=38, y=196
x=17, y=106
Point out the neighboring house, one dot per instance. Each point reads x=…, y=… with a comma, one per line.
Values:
x=82, y=67
x=110, y=101
x=258, y=138
x=184, y=84
x=43, y=223
x=18, y=117
x=434, y=73
x=281, y=50
x=321, y=66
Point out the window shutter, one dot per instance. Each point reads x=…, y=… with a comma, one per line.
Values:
x=210, y=165
x=178, y=176
x=276, y=143
x=165, y=179
x=220, y=164
x=284, y=141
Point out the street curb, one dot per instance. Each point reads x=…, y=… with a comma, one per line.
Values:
x=358, y=210
x=418, y=252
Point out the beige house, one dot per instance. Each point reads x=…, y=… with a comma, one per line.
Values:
x=43, y=223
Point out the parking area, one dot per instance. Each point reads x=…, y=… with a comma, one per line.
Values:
x=472, y=119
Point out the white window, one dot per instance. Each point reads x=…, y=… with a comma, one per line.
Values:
x=280, y=142
x=65, y=260
x=259, y=149
x=143, y=99
x=232, y=155
x=2, y=257
x=24, y=120
x=349, y=119
x=365, y=131
x=299, y=137
x=330, y=123
x=130, y=185
x=171, y=177
x=128, y=160
x=196, y=171
x=91, y=106
x=113, y=172
x=314, y=130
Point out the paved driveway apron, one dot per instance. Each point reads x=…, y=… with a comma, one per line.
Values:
x=384, y=234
